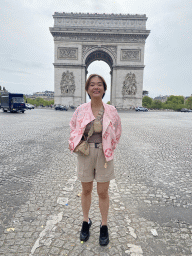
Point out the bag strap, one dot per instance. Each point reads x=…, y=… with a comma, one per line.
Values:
x=90, y=133
x=100, y=113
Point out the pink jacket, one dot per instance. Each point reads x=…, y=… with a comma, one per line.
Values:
x=111, y=127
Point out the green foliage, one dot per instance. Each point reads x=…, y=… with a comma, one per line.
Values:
x=179, y=107
x=147, y=101
x=175, y=100
x=156, y=104
x=39, y=101
x=109, y=102
x=188, y=103
x=174, y=106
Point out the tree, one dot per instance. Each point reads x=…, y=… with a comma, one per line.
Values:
x=175, y=100
x=40, y=101
x=189, y=103
x=108, y=102
x=147, y=101
x=156, y=104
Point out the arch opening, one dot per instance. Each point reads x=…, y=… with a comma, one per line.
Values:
x=103, y=69
x=100, y=62
x=99, y=55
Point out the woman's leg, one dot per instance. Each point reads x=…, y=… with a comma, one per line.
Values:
x=102, y=190
x=86, y=199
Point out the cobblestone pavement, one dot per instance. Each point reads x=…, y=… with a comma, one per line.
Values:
x=150, y=199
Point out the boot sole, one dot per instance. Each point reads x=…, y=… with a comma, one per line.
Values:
x=104, y=243
x=84, y=239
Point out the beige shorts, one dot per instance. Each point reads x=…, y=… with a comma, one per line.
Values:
x=92, y=166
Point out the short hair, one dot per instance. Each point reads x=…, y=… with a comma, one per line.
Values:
x=88, y=83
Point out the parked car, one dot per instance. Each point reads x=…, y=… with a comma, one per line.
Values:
x=57, y=107
x=61, y=107
x=185, y=110
x=29, y=106
x=141, y=109
x=64, y=108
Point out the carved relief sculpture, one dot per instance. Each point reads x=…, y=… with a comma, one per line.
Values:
x=131, y=55
x=67, y=84
x=111, y=49
x=129, y=85
x=67, y=53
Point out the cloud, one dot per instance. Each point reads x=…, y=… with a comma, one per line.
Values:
x=28, y=63
x=14, y=71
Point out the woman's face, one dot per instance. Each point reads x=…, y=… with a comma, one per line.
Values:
x=96, y=88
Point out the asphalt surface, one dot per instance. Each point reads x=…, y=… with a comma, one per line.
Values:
x=150, y=199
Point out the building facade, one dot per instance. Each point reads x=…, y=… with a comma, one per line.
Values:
x=46, y=95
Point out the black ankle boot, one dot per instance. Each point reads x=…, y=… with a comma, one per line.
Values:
x=104, y=236
x=84, y=235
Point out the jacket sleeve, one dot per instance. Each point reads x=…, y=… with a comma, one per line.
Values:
x=72, y=125
x=118, y=128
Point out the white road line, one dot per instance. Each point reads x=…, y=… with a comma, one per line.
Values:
x=46, y=236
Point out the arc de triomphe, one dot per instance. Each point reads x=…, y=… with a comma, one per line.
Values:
x=117, y=39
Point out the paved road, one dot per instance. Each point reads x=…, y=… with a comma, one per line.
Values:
x=40, y=208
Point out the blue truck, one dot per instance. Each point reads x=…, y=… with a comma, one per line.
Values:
x=13, y=102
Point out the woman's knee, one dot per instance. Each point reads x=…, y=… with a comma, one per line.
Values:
x=103, y=194
x=87, y=188
x=102, y=190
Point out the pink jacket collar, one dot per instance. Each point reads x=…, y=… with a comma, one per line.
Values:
x=88, y=112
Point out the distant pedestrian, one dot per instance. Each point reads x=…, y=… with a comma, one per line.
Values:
x=95, y=132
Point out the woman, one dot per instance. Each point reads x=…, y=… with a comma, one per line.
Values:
x=105, y=123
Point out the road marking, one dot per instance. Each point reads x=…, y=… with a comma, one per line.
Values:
x=46, y=236
x=134, y=250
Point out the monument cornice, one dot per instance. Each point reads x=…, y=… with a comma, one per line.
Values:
x=90, y=37
x=116, y=31
x=99, y=21
x=99, y=15
x=128, y=67
x=71, y=65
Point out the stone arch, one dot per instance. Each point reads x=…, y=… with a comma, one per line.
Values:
x=117, y=39
x=99, y=53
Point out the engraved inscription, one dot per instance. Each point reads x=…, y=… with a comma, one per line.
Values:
x=67, y=84
x=67, y=53
x=130, y=55
x=129, y=85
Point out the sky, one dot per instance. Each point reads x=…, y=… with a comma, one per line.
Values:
x=27, y=46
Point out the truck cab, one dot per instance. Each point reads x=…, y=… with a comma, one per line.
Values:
x=12, y=102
